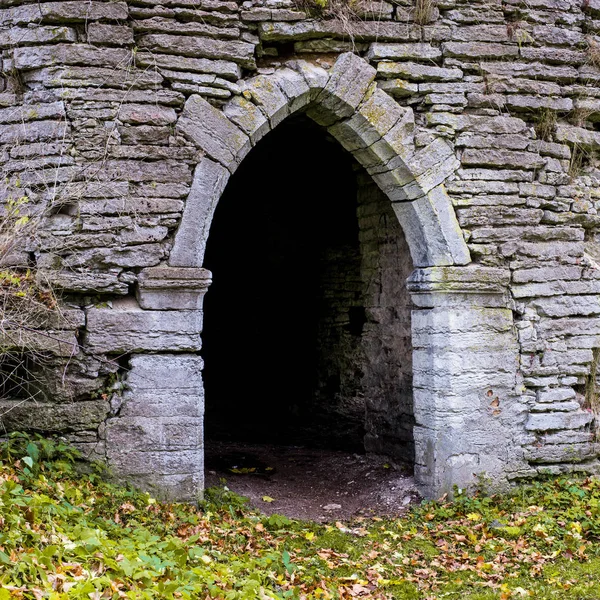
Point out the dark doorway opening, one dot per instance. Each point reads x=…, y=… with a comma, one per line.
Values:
x=286, y=221
x=307, y=323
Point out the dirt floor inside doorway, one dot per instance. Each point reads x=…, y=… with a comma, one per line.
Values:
x=311, y=484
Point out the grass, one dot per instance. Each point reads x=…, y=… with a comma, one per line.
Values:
x=581, y=157
x=64, y=534
x=545, y=124
x=424, y=11
x=593, y=52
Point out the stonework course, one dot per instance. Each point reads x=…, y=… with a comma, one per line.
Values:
x=474, y=124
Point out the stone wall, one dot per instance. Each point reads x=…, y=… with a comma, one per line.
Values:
x=117, y=116
x=387, y=374
x=365, y=365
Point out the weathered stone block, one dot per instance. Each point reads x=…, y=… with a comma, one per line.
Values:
x=398, y=88
x=470, y=217
x=565, y=406
x=171, y=288
x=38, y=131
x=374, y=118
x=209, y=182
x=349, y=81
x=248, y=117
x=420, y=51
x=239, y=52
x=478, y=123
x=32, y=112
x=562, y=453
x=561, y=74
x=213, y=132
x=511, y=142
x=195, y=28
x=433, y=164
x=502, y=158
x=417, y=72
x=315, y=76
x=65, y=11
x=522, y=102
x=479, y=50
x=138, y=114
x=568, y=306
x=127, y=328
x=33, y=415
x=167, y=371
x=223, y=68
x=269, y=98
x=432, y=218
x=386, y=158
x=22, y=36
x=145, y=134
x=126, y=464
x=359, y=30
x=62, y=343
x=551, y=421
x=152, y=434
x=295, y=87
x=102, y=33
x=81, y=77
x=34, y=57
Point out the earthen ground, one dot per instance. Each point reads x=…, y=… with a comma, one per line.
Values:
x=310, y=484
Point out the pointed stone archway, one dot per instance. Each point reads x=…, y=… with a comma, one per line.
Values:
x=464, y=348
x=366, y=121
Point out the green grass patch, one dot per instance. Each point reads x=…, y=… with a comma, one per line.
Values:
x=67, y=533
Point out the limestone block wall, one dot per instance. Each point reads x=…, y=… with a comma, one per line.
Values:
x=386, y=339
x=364, y=371
x=479, y=122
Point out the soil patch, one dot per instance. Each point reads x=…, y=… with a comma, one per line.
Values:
x=311, y=484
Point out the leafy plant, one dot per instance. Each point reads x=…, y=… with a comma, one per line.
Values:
x=66, y=535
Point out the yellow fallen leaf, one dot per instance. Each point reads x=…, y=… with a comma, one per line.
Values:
x=268, y=499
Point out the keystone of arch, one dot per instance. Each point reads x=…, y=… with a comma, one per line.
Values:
x=365, y=120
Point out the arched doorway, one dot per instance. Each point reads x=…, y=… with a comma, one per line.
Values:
x=462, y=327
x=306, y=334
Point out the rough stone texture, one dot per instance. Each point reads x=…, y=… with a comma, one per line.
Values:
x=209, y=182
x=122, y=120
x=386, y=340
x=213, y=132
x=158, y=422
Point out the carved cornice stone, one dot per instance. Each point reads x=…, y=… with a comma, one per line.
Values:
x=172, y=288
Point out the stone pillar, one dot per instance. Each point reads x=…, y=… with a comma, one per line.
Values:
x=467, y=400
x=154, y=437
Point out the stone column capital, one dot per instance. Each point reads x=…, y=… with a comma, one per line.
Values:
x=172, y=288
x=472, y=285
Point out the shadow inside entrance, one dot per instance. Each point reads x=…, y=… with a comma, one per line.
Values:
x=307, y=335
x=285, y=312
